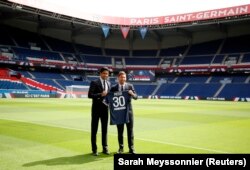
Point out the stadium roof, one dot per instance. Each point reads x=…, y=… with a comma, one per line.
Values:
x=129, y=8
x=90, y=33
x=138, y=13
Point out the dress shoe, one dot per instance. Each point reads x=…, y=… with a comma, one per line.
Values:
x=95, y=153
x=132, y=151
x=120, y=151
x=106, y=151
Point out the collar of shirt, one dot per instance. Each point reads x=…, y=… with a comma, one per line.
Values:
x=102, y=81
x=120, y=87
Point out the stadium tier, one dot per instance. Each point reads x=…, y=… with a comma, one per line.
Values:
x=218, y=59
x=197, y=60
x=207, y=90
x=144, y=89
x=96, y=61
x=115, y=52
x=85, y=49
x=5, y=38
x=246, y=58
x=169, y=89
x=28, y=49
x=10, y=84
x=151, y=53
x=176, y=51
x=191, y=79
x=33, y=55
x=202, y=86
x=27, y=46
x=205, y=48
x=142, y=62
x=233, y=90
x=236, y=45
x=47, y=75
x=59, y=45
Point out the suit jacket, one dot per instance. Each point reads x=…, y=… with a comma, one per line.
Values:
x=127, y=87
x=95, y=91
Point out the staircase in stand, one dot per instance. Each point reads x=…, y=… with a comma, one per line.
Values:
x=39, y=85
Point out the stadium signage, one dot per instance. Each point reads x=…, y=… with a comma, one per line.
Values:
x=144, y=21
x=19, y=91
x=48, y=65
x=179, y=18
x=216, y=98
x=141, y=78
x=241, y=69
x=7, y=62
x=212, y=14
x=37, y=96
x=170, y=97
x=140, y=97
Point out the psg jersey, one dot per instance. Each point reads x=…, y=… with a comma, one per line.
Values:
x=118, y=103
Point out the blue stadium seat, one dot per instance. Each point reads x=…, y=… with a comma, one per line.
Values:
x=235, y=90
x=201, y=90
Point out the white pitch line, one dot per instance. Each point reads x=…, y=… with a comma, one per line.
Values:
x=143, y=139
x=184, y=146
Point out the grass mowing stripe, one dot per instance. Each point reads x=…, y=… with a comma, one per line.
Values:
x=24, y=154
x=55, y=133
x=143, y=139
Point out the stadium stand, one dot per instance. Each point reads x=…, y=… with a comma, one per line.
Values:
x=20, y=46
x=11, y=84
x=5, y=38
x=144, y=89
x=174, y=51
x=85, y=49
x=218, y=59
x=191, y=79
x=97, y=61
x=205, y=48
x=115, y=52
x=37, y=55
x=27, y=40
x=170, y=89
x=140, y=53
x=241, y=46
x=59, y=45
x=134, y=62
x=246, y=58
x=202, y=90
x=197, y=60
x=235, y=90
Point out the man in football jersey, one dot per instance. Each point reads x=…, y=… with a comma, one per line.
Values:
x=120, y=87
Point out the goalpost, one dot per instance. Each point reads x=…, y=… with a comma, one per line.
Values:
x=77, y=91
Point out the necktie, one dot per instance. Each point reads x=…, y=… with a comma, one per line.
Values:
x=104, y=85
x=121, y=88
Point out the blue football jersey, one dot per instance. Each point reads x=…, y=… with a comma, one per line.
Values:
x=118, y=105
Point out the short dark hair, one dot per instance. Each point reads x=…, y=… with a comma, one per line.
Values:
x=104, y=69
x=121, y=73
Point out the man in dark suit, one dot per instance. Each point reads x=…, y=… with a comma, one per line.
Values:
x=124, y=86
x=97, y=91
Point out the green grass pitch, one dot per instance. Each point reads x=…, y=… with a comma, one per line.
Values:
x=55, y=133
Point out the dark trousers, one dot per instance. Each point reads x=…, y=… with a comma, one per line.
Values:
x=103, y=115
x=130, y=133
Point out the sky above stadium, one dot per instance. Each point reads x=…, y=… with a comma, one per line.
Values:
x=146, y=8
x=133, y=8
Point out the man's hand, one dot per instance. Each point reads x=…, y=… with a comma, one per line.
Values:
x=131, y=93
x=104, y=93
